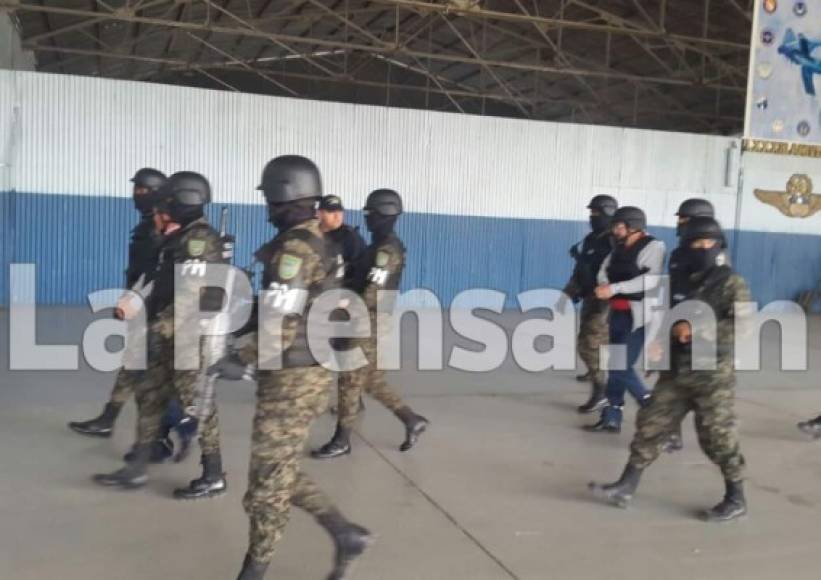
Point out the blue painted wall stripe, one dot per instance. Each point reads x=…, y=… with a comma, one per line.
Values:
x=79, y=245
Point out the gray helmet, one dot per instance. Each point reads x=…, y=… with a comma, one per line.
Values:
x=149, y=178
x=696, y=207
x=290, y=178
x=633, y=217
x=384, y=202
x=702, y=228
x=606, y=204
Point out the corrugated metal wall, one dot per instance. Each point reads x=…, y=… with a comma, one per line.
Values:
x=492, y=202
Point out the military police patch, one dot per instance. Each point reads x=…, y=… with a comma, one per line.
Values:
x=289, y=266
x=381, y=259
x=196, y=248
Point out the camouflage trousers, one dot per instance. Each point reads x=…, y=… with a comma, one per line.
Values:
x=369, y=379
x=161, y=383
x=710, y=396
x=288, y=401
x=125, y=385
x=593, y=333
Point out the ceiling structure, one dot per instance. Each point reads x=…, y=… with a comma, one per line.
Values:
x=676, y=65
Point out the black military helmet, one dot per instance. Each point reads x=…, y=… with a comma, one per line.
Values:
x=149, y=178
x=696, y=207
x=606, y=204
x=702, y=228
x=633, y=217
x=290, y=178
x=186, y=188
x=384, y=202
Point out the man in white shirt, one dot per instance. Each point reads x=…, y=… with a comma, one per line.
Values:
x=626, y=276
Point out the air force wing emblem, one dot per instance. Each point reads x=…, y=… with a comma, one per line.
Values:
x=798, y=201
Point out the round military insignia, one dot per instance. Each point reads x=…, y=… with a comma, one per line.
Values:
x=800, y=9
x=765, y=70
x=196, y=248
x=381, y=259
x=289, y=266
x=767, y=37
x=803, y=128
x=770, y=6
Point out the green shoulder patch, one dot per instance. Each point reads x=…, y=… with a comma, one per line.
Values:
x=381, y=259
x=196, y=248
x=289, y=266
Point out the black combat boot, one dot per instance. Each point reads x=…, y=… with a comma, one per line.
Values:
x=733, y=505
x=588, y=376
x=415, y=425
x=621, y=492
x=211, y=484
x=133, y=476
x=350, y=541
x=252, y=570
x=161, y=450
x=596, y=401
x=609, y=422
x=100, y=426
x=340, y=444
x=811, y=427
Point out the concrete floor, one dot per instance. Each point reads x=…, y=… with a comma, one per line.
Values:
x=496, y=489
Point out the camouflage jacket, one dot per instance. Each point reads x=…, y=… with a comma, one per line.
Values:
x=728, y=296
x=194, y=246
x=297, y=268
x=380, y=269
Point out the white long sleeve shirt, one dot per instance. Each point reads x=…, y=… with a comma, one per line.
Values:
x=651, y=259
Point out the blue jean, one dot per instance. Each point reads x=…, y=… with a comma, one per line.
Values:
x=627, y=380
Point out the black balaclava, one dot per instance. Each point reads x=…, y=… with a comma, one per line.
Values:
x=599, y=223
x=185, y=214
x=694, y=261
x=144, y=203
x=284, y=216
x=380, y=226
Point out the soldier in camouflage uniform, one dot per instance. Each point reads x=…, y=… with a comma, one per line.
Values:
x=297, y=269
x=193, y=243
x=380, y=269
x=593, y=329
x=143, y=251
x=690, y=208
x=708, y=393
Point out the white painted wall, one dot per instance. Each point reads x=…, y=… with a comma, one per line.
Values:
x=82, y=135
